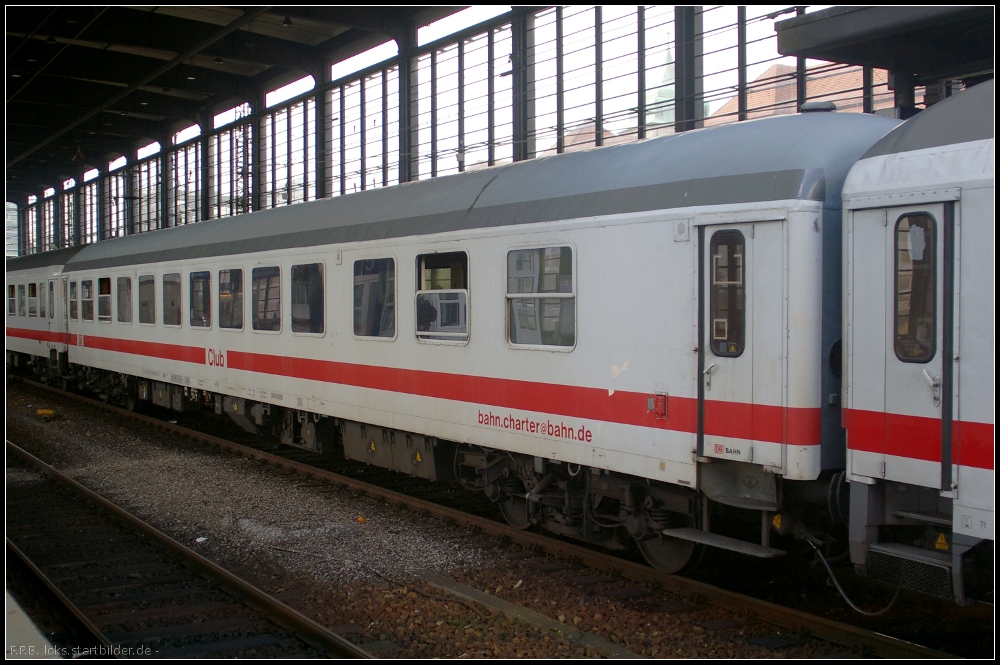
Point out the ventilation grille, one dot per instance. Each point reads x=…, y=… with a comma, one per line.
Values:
x=924, y=576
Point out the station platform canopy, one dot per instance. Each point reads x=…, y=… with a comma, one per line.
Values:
x=930, y=43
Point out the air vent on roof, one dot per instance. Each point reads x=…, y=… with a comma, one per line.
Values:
x=817, y=107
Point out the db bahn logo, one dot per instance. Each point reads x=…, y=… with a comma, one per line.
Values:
x=720, y=449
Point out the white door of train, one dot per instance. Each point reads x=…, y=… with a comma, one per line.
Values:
x=742, y=341
x=901, y=386
x=62, y=317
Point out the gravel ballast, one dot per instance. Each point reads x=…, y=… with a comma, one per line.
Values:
x=351, y=561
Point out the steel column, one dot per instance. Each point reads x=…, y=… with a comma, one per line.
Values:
x=461, y=105
x=640, y=32
x=686, y=80
x=560, y=101
x=519, y=84
x=490, y=136
x=598, y=78
x=741, y=56
x=801, y=93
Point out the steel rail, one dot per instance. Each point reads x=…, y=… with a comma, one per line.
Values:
x=883, y=646
x=283, y=615
x=68, y=604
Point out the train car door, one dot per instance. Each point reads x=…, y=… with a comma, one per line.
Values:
x=62, y=318
x=51, y=322
x=901, y=384
x=742, y=341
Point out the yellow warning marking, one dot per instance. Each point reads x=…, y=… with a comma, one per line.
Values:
x=44, y=412
x=776, y=521
x=941, y=543
x=371, y=446
x=418, y=457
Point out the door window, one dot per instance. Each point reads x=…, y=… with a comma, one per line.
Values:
x=916, y=298
x=728, y=294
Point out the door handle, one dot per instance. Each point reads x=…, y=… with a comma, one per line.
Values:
x=935, y=387
x=708, y=375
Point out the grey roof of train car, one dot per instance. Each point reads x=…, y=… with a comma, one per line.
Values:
x=802, y=156
x=57, y=257
x=967, y=116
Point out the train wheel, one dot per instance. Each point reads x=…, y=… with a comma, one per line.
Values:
x=515, y=511
x=671, y=555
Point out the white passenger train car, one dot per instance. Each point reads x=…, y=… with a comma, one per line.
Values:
x=36, y=301
x=623, y=345
x=919, y=336
x=606, y=342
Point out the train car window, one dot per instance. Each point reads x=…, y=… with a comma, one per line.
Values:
x=52, y=300
x=22, y=301
x=548, y=316
x=87, y=299
x=172, y=299
x=65, y=292
x=201, y=299
x=307, y=298
x=11, y=300
x=266, y=298
x=916, y=296
x=124, y=300
x=147, y=299
x=375, y=298
x=442, y=298
x=728, y=295
x=231, y=299
x=104, y=299
x=72, y=301
x=41, y=300
x=32, y=300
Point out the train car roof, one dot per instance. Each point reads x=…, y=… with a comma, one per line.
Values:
x=804, y=156
x=967, y=116
x=54, y=259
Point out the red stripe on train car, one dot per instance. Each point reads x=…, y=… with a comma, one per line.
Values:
x=594, y=403
x=761, y=423
x=39, y=335
x=976, y=444
x=794, y=426
x=917, y=437
x=188, y=354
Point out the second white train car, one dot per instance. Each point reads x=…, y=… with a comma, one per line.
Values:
x=919, y=334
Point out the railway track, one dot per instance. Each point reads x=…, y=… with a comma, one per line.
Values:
x=137, y=591
x=787, y=619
